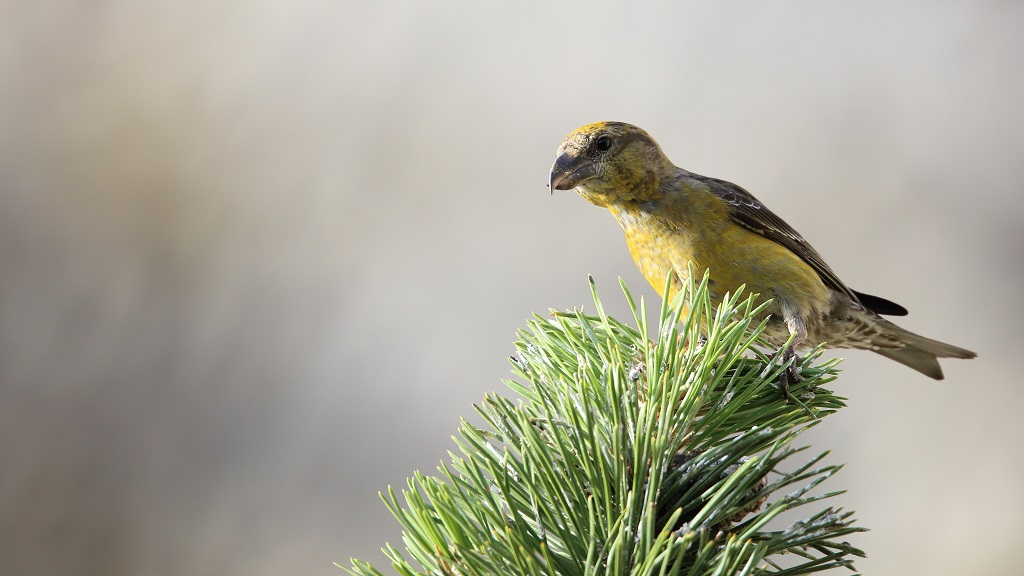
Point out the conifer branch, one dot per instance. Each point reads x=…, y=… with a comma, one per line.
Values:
x=627, y=455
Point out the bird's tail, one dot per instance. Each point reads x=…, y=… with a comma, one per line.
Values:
x=920, y=353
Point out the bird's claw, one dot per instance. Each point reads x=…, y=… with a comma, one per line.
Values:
x=790, y=373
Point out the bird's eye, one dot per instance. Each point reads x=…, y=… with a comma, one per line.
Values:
x=604, y=143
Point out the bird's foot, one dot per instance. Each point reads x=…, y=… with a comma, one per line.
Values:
x=790, y=374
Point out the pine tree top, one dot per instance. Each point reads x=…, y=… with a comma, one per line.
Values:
x=632, y=452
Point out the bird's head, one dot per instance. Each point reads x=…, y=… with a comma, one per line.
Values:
x=610, y=163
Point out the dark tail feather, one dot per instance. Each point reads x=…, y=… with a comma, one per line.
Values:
x=923, y=362
x=922, y=354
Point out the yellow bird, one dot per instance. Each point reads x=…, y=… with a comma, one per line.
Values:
x=673, y=218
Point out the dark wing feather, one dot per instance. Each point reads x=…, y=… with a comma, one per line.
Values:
x=750, y=213
x=880, y=305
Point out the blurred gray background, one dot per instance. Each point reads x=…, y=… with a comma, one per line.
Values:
x=257, y=259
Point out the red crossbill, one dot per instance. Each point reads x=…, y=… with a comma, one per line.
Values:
x=673, y=219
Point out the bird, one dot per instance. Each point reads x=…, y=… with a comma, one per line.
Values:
x=675, y=221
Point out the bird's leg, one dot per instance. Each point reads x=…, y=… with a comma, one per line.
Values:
x=787, y=354
x=796, y=326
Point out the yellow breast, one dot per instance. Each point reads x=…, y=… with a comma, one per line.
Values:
x=662, y=241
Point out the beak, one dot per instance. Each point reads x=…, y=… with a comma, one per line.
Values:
x=569, y=172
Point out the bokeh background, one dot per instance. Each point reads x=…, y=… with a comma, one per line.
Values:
x=258, y=258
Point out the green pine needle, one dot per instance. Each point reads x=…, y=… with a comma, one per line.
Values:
x=627, y=455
